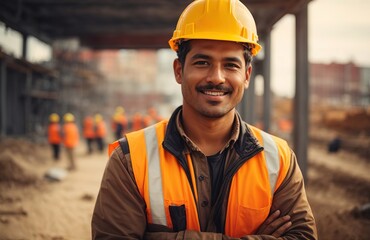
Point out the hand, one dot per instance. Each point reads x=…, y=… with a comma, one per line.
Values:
x=274, y=225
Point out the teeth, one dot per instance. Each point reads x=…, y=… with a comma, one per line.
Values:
x=214, y=93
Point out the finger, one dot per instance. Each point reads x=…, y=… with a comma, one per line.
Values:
x=272, y=217
x=276, y=224
x=281, y=230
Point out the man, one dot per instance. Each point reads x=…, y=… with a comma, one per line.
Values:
x=70, y=139
x=119, y=123
x=100, y=132
x=204, y=173
x=89, y=132
x=54, y=135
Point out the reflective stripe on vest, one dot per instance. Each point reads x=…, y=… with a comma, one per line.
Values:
x=155, y=177
x=271, y=158
x=153, y=169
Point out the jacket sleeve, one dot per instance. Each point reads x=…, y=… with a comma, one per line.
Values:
x=119, y=211
x=291, y=199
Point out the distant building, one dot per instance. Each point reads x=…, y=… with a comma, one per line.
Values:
x=340, y=84
x=139, y=79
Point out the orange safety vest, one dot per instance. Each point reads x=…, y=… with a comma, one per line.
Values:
x=54, y=133
x=88, y=128
x=101, y=129
x=119, y=119
x=137, y=122
x=251, y=190
x=71, y=135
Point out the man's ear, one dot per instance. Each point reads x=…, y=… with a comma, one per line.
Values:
x=177, y=70
x=248, y=74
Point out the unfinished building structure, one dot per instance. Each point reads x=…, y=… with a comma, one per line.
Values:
x=134, y=24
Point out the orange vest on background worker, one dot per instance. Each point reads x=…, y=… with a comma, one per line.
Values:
x=155, y=117
x=100, y=127
x=88, y=127
x=147, y=120
x=251, y=186
x=54, y=134
x=119, y=119
x=137, y=122
x=119, y=123
x=70, y=131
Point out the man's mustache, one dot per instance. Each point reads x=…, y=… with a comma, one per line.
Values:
x=210, y=87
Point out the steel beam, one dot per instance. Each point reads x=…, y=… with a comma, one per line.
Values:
x=267, y=82
x=3, y=97
x=301, y=100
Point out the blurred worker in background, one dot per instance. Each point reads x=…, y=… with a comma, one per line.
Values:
x=153, y=113
x=152, y=117
x=89, y=132
x=335, y=144
x=100, y=132
x=70, y=139
x=205, y=173
x=137, y=122
x=119, y=123
x=54, y=135
x=147, y=120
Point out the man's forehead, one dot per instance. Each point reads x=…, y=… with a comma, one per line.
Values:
x=213, y=48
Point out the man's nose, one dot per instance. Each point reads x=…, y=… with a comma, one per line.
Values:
x=216, y=75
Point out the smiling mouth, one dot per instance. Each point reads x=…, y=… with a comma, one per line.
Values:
x=214, y=93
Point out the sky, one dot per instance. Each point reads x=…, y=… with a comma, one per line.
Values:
x=339, y=31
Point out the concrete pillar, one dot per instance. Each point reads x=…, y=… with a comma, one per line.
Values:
x=3, y=97
x=249, y=101
x=24, y=45
x=27, y=111
x=267, y=82
x=301, y=101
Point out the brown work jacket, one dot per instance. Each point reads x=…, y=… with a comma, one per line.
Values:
x=120, y=210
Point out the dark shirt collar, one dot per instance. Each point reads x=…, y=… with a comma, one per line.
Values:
x=194, y=147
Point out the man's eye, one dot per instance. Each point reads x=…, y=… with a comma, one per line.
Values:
x=201, y=63
x=232, y=65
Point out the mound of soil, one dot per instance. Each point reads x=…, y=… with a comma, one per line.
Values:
x=22, y=161
x=14, y=169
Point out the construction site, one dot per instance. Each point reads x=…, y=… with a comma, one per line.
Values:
x=114, y=55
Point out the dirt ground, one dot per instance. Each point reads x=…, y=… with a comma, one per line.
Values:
x=32, y=207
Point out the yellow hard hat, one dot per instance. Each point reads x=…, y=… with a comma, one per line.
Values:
x=226, y=20
x=68, y=117
x=98, y=117
x=120, y=109
x=54, y=117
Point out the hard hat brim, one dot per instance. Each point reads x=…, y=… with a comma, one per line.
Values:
x=173, y=42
